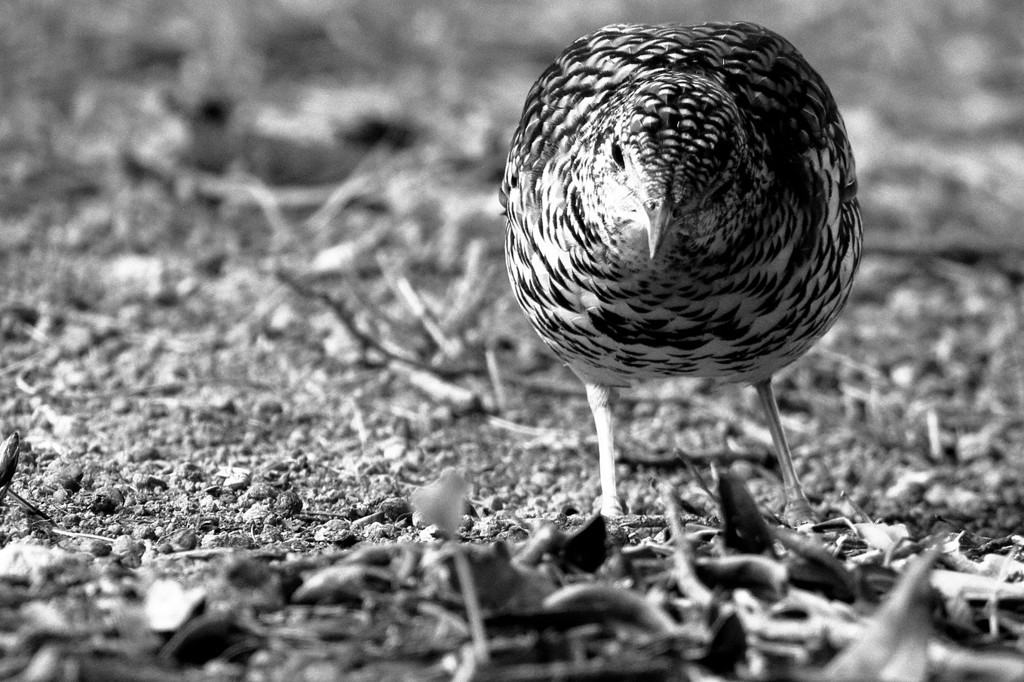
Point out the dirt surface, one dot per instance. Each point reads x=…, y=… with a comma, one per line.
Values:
x=252, y=296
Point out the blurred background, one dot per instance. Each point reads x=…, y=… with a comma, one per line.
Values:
x=297, y=93
x=162, y=161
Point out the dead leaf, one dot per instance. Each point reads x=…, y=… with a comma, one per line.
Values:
x=613, y=604
x=745, y=529
x=168, y=605
x=442, y=502
x=343, y=583
x=880, y=535
x=894, y=643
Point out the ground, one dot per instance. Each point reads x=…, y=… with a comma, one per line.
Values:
x=252, y=297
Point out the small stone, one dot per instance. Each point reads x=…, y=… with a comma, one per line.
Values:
x=255, y=514
x=268, y=407
x=394, y=507
x=68, y=476
x=971, y=446
x=120, y=405
x=99, y=548
x=107, y=501
x=131, y=560
x=144, y=531
x=145, y=453
x=239, y=540
x=261, y=490
x=238, y=479
x=329, y=531
x=903, y=375
x=223, y=403
x=297, y=437
x=183, y=540
x=288, y=504
x=77, y=340
x=376, y=532
x=245, y=572
x=154, y=483
x=369, y=519
x=345, y=539
x=394, y=448
x=213, y=540
x=125, y=546
x=281, y=319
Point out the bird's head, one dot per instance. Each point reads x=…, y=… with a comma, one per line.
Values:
x=667, y=155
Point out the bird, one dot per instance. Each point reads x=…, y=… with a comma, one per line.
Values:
x=681, y=201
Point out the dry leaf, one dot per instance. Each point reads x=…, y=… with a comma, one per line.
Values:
x=894, y=642
x=442, y=502
x=168, y=605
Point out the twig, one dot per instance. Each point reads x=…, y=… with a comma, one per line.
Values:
x=473, y=612
x=670, y=459
x=523, y=429
x=24, y=386
x=86, y=536
x=494, y=373
x=470, y=292
x=934, y=435
x=271, y=208
x=1016, y=349
x=172, y=388
x=697, y=476
x=29, y=507
x=462, y=400
x=686, y=578
x=347, y=318
x=992, y=603
x=313, y=515
x=348, y=190
x=403, y=289
x=867, y=370
x=856, y=508
x=18, y=365
x=184, y=181
x=966, y=246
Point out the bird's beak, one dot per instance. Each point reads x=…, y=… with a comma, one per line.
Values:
x=658, y=217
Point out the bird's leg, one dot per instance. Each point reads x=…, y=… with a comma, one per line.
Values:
x=798, y=509
x=599, y=397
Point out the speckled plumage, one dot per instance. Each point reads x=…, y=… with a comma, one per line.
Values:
x=681, y=200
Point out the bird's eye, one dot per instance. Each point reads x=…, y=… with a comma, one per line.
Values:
x=617, y=155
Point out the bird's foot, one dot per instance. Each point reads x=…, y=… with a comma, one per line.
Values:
x=797, y=512
x=610, y=507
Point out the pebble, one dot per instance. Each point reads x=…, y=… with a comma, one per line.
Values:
x=99, y=548
x=288, y=503
x=120, y=405
x=261, y=490
x=183, y=540
x=267, y=407
x=394, y=507
x=107, y=501
x=145, y=453
x=67, y=476
x=238, y=479
x=128, y=549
